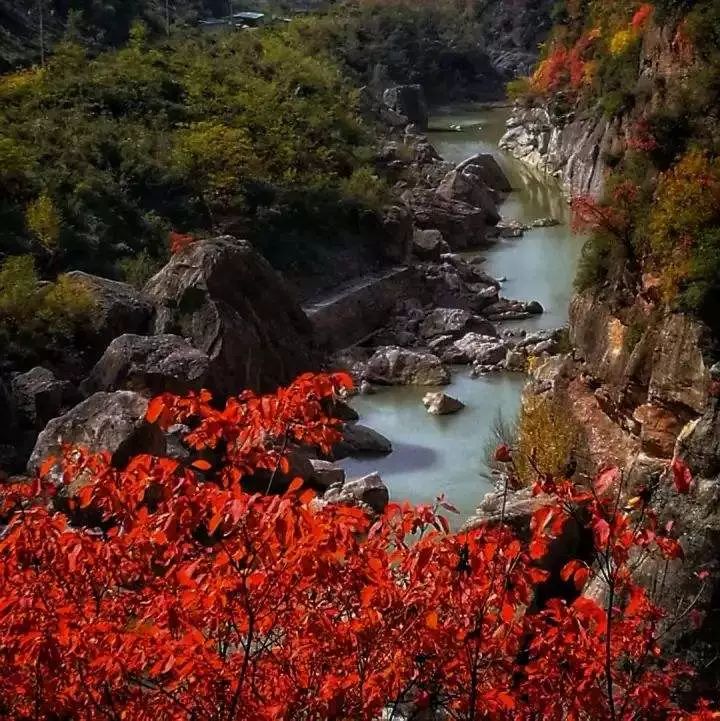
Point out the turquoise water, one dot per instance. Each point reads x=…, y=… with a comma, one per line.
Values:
x=446, y=455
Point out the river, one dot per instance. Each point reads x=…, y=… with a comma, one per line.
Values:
x=446, y=455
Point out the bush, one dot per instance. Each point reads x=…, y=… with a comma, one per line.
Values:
x=548, y=437
x=36, y=318
x=171, y=593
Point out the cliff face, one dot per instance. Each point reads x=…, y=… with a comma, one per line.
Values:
x=573, y=149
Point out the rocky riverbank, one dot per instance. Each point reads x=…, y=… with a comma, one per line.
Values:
x=640, y=385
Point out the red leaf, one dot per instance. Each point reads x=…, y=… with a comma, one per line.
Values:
x=296, y=485
x=155, y=409
x=202, y=465
x=503, y=454
x=681, y=475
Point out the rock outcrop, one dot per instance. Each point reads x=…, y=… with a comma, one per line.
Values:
x=117, y=308
x=573, y=149
x=368, y=491
x=113, y=422
x=399, y=366
x=149, y=364
x=462, y=225
x=229, y=303
x=407, y=104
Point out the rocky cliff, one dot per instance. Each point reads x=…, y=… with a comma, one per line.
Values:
x=573, y=148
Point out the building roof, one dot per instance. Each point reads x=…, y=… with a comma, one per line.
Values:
x=249, y=16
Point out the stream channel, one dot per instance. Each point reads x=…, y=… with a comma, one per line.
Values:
x=447, y=455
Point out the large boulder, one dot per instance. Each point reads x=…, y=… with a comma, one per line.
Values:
x=461, y=224
x=369, y=490
x=227, y=300
x=40, y=396
x=408, y=101
x=361, y=440
x=391, y=365
x=149, y=364
x=479, y=348
x=429, y=244
x=117, y=308
x=467, y=183
x=455, y=322
x=113, y=422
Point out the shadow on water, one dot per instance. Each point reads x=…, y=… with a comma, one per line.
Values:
x=436, y=456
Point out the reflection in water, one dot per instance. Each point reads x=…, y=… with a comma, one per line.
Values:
x=447, y=455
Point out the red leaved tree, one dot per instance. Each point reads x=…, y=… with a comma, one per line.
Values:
x=188, y=598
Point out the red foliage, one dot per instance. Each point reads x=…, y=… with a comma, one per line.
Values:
x=193, y=599
x=641, y=138
x=641, y=17
x=565, y=68
x=614, y=217
x=179, y=241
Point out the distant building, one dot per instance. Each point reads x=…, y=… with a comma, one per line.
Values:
x=250, y=19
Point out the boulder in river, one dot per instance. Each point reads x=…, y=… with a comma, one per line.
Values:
x=392, y=365
x=469, y=188
x=479, y=348
x=454, y=322
x=227, y=300
x=441, y=404
x=361, y=440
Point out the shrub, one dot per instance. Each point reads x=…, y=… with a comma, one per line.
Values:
x=38, y=318
x=548, y=437
x=195, y=599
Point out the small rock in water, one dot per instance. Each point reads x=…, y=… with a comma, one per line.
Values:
x=367, y=389
x=544, y=223
x=441, y=404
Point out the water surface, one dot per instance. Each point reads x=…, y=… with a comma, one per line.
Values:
x=447, y=455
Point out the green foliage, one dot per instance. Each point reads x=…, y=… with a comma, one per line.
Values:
x=38, y=318
x=148, y=138
x=701, y=293
x=366, y=188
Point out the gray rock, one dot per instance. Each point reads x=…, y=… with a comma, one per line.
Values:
x=429, y=244
x=407, y=101
x=113, y=422
x=369, y=490
x=227, y=300
x=515, y=361
x=481, y=349
x=118, y=308
x=510, y=229
x=466, y=184
x=455, y=322
x=39, y=396
x=326, y=474
x=544, y=223
x=358, y=439
x=149, y=364
x=461, y=224
x=398, y=366
x=441, y=404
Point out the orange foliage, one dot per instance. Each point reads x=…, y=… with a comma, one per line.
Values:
x=642, y=16
x=179, y=241
x=188, y=598
x=566, y=68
